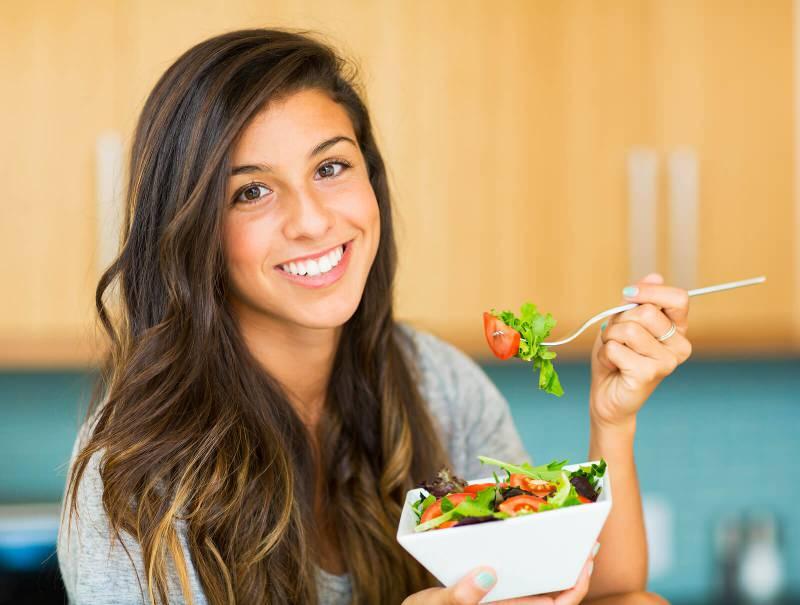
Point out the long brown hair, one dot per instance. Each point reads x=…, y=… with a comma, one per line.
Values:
x=186, y=420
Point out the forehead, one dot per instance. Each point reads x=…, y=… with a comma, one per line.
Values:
x=291, y=127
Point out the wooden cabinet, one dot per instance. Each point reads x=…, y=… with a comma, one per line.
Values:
x=58, y=71
x=506, y=128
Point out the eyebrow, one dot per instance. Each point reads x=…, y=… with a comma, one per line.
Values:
x=251, y=168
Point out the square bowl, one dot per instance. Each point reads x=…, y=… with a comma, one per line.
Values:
x=532, y=554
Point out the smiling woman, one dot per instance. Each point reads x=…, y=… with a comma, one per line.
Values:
x=261, y=414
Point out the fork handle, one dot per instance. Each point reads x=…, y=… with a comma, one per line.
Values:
x=629, y=306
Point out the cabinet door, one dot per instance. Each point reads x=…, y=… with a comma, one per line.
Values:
x=722, y=78
x=57, y=65
x=512, y=184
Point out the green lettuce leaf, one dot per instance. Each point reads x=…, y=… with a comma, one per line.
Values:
x=533, y=328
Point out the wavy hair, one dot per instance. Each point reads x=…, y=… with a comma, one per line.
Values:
x=192, y=434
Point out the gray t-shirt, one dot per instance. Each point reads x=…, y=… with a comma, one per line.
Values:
x=473, y=419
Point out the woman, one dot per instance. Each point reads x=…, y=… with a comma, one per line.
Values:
x=261, y=414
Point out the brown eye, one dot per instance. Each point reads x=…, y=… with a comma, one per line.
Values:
x=327, y=170
x=252, y=193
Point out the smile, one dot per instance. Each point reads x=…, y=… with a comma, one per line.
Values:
x=315, y=266
x=318, y=271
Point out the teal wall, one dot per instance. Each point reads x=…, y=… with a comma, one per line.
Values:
x=710, y=429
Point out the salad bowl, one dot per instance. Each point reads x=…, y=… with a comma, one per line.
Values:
x=532, y=553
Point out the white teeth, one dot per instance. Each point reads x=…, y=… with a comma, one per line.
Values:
x=312, y=267
x=323, y=264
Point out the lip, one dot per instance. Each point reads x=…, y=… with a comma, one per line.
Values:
x=324, y=279
x=314, y=255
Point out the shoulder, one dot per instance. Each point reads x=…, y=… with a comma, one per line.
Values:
x=473, y=415
x=97, y=566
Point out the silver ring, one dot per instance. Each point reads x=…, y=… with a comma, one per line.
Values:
x=673, y=328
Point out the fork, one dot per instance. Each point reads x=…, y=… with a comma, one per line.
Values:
x=622, y=308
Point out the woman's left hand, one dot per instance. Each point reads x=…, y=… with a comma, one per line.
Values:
x=628, y=360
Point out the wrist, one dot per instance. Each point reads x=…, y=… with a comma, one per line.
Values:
x=625, y=427
x=607, y=439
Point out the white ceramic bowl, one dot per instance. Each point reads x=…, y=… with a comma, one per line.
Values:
x=532, y=554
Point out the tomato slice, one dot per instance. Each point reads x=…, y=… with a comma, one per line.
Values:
x=529, y=484
x=503, y=340
x=435, y=509
x=476, y=487
x=518, y=504
x=584, y=500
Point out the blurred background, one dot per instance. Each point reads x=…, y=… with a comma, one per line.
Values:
x=538, y=150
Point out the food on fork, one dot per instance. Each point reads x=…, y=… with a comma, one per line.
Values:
x=511, y=336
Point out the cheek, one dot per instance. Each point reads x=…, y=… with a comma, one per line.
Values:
x=362, y=210
x=244, y=245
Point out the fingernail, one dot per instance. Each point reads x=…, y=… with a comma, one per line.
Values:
x=485, y=580
x=603, y=325
x=630, y=291
x=591, y=567
x=595, y=549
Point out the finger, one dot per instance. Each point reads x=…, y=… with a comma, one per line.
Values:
x=615, y=355
x=636, y=337
x=652, y=278
x=575, y=595
x=647, y=314
x=471, y=588
x=657, y=324
x=674, y=301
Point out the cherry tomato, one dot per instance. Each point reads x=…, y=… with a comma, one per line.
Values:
x=503, y=345
x=476, y=487
x=435, y=509
x=518, y=504
x=534, y=486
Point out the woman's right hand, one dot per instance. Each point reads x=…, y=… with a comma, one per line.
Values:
x=470, y=589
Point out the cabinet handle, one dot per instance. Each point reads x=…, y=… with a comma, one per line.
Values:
x=108, y=191
x=642, y=203
x=683, y=212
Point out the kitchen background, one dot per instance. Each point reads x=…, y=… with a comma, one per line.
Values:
x=551, y=151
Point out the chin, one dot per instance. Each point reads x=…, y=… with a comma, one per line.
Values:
x=326, y=314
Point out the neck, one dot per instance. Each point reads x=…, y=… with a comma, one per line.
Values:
x=298, y=357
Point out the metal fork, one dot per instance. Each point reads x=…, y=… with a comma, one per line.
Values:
x=622, y=308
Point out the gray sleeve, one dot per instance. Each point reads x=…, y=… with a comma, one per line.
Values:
x=474, y=417
x=96, y=568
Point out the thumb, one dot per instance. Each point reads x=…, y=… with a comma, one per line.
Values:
x=471, y=588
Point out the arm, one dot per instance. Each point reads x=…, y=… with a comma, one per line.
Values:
x=628, y=363
x=96, y=567
x=621, y=563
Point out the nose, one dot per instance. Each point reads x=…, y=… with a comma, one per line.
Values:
x=308, y=216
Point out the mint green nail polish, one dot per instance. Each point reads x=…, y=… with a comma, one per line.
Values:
x=595, y=549
x=630, y=291
x=485, y=580
x=603, y=325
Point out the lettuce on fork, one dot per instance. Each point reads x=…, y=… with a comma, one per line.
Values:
x=533, y=328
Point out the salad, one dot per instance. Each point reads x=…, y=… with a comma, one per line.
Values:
x=526, y=490
x=512, y=336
